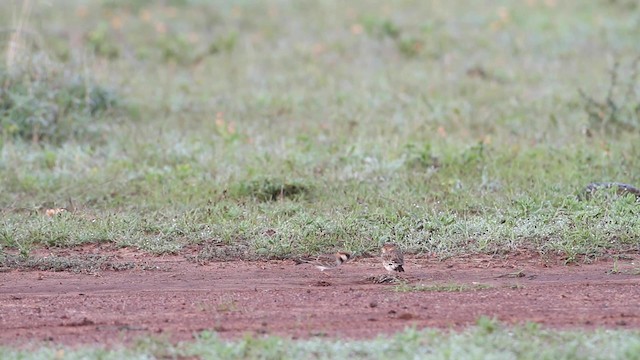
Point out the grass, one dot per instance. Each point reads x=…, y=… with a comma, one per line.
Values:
x=269, y=129
x=44, y=102
x=78, y=264
x=489, y=339
x=441, y=287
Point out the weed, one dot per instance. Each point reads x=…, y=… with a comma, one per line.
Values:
x=410, y=47
x=420, y=156
x=487, y=325
x=381, y=27
x=271, y=189
x=615, y=269
x=101, y=43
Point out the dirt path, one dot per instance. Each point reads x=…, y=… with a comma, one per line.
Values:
x=235, y=298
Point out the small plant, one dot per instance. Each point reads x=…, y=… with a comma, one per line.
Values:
x=99, y=41
x=616, y=268
x=225, y=129
x=223, y=44
x=420, y=156
x=271, y=189
x=487, y=325
x=410, y=46
x=620, y=109
x=176, y=48
x=474, y=154
x=381, y=28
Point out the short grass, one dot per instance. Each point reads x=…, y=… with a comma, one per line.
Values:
x=487, y=340
x=270, y=129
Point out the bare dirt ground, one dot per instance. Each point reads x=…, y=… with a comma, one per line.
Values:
x=175, y=298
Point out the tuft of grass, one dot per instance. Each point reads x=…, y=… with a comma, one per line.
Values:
x=441, y=287
x=271, y=189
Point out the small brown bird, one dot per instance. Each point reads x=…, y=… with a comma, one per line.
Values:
x=392, y=258
x=326, y=261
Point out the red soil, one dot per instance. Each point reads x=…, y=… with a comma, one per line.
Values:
x=181, y=298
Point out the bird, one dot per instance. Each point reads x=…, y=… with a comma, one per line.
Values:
x=392, y=258
x=326, y=261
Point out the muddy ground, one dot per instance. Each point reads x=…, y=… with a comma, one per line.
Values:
x=174, y=298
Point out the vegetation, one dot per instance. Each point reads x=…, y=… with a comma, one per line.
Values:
x=489, y=339
x=40, y=101
x=271, y=129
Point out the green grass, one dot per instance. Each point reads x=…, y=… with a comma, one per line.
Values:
x=272, y=129
x=488, y=339
x=44, y=102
